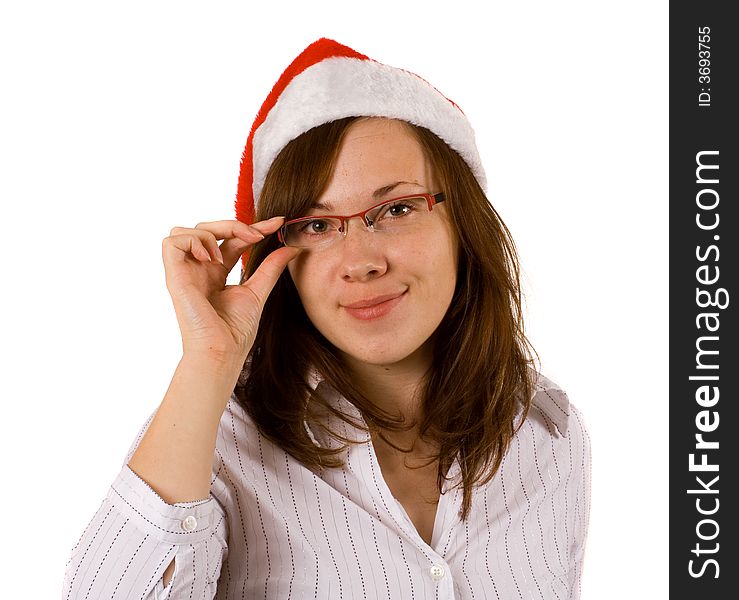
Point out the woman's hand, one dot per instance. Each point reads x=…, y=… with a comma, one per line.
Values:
x=216, y=320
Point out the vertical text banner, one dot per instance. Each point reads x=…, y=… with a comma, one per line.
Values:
x=704, y=296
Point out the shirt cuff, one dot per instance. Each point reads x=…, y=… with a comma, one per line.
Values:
x=179, y=523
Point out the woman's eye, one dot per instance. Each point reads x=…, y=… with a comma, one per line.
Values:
x=398, y=210
x=314, y=227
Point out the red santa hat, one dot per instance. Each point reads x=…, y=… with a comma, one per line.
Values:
x=330, y=81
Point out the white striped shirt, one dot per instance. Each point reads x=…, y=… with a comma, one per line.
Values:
x=273, y=528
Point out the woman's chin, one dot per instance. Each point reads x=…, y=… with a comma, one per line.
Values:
x=387, y=354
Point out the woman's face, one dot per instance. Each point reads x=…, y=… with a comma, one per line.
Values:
x=379, y=159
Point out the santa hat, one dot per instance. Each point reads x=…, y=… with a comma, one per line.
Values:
x=330, y=81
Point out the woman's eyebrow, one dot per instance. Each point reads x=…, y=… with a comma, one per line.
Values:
x=377, y=194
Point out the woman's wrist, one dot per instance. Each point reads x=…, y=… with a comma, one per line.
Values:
x=205, y=380
x=213, y=362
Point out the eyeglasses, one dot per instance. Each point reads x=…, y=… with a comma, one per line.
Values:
x=397, y=216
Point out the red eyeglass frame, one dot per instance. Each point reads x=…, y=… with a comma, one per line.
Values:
x=431, y=200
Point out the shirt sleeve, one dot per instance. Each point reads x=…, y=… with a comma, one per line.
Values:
x=580, y=447
x=135, y=535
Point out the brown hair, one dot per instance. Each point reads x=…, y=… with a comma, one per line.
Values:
x=480, y=377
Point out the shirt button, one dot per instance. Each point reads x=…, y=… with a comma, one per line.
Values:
x=436, y=572
x=189, y=523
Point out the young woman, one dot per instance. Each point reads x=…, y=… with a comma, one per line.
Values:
x=360, y=418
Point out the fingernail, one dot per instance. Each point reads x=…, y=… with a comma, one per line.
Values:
x=219, y=255
x=257, y=232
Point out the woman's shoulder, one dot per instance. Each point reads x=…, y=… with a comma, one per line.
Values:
x=557, y=427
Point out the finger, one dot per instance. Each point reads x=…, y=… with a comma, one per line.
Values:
x=176, y=247
x=223, y=230
x=232, y=250
x=269, y=226
x=264, y=278
x=206, y=238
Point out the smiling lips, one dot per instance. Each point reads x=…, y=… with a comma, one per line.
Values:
x=373, y=308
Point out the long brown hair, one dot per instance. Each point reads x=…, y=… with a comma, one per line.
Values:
x=481, y=376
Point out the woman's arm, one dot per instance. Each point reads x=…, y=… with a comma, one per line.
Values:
x=135, y=534
x=159, y=509
x=176, y=453
x=218, y=325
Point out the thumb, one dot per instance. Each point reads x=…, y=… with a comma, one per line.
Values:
x=264, y=278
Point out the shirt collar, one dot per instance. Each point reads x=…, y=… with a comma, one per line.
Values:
x=552, y=402
x=317, y=434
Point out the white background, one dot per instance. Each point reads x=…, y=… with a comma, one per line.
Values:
x=119, y=121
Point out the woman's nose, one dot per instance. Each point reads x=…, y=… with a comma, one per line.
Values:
x=362, y=253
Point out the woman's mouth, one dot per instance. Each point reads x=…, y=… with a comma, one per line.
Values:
x=374, y=308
